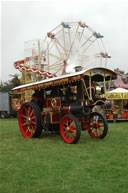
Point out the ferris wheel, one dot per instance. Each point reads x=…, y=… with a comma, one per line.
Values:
x=74, y=45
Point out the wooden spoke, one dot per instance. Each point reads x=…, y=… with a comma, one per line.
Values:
x=81, y=34
x=58, y=49
x=61, y=45
x=86, y=41
x=64, y=41
x=70, y=129
x=89, y=45
x=69, y=34
x=57, y=57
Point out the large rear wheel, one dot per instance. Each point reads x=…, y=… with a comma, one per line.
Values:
x=30, y=120
x=70, y=129
x=98, y=126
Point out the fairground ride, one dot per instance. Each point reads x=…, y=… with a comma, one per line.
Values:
x=68, y=48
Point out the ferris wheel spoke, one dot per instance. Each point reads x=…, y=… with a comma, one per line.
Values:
x=58, y=49
x=81, y=34
x=56, y=67
x=69, y=36
x=56, y=34
x=77, y=29
x=57, y=62
x=55, y=28
x=64, y=41
x=71, y=45
x=64, y=49
x=103, y=45
x=89, y=57
x=89, y=45
x=85, y=57
x=98, y=43
x=54, y=56
x=86, y=41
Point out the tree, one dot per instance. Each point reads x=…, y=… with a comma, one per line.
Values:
x=15, y=80
x=8, y=85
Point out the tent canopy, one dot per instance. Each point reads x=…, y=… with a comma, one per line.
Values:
x=118, y=93
x=119, y=90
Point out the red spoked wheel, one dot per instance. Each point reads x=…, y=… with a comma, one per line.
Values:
x=30, y=120
x=98, y=126
x=70, y=129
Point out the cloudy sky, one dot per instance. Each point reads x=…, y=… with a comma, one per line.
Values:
x=27, y=20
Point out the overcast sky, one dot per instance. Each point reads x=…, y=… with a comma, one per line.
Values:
x=26, y=20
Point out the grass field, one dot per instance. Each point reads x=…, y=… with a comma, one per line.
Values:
x=48, y=165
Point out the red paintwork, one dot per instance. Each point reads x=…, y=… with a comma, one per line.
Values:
x=66, y=110
x=68, y=129
x=55, y=117
x=27, y=120
x=95, y=127
x=20, y=65
x=48, y=102
x=126, y=115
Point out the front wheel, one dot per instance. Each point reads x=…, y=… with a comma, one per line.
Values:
x=97, y=125
x=30, y=120
x=70, y=129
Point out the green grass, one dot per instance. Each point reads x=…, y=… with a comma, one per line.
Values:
x=48, y=165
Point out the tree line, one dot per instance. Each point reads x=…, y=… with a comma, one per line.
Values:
x=8, y=85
